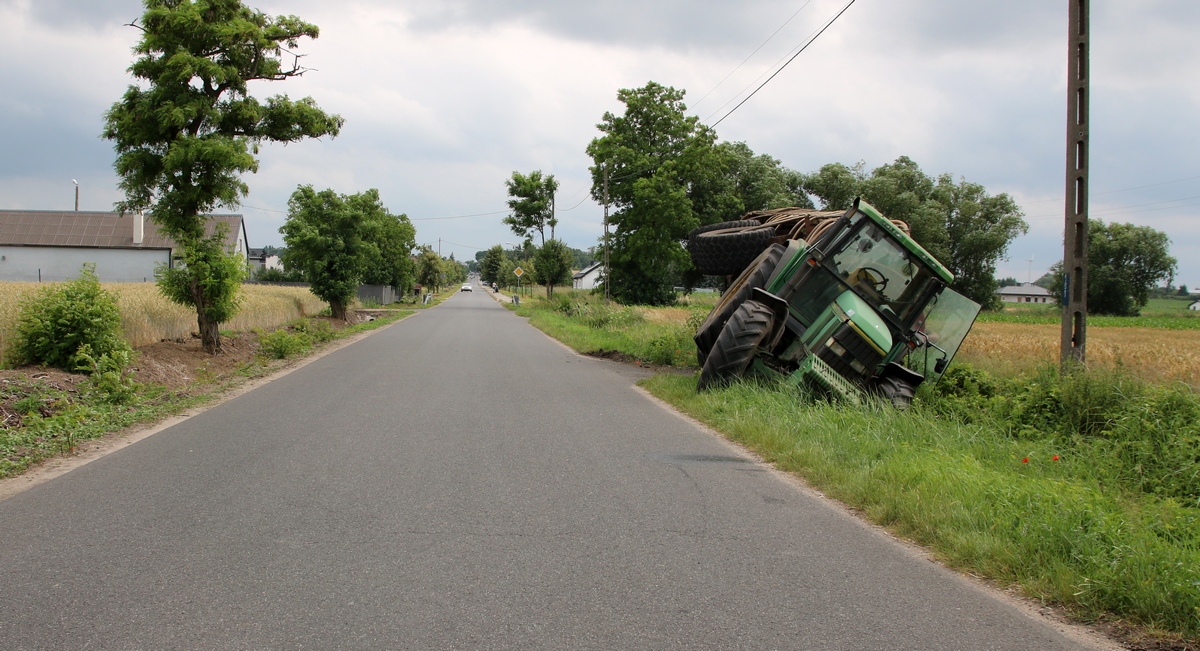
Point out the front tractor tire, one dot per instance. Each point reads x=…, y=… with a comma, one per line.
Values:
x=740, y=340
x=753, y=277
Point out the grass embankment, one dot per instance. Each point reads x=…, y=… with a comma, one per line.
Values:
x=1084, y=491
x=43, y=419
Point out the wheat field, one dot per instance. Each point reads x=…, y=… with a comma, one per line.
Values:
x=1152, y=354
x=147, y=317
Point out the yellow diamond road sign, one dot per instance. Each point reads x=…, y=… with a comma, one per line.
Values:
x=518, y=271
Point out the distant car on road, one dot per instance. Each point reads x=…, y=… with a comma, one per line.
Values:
x=466, y=287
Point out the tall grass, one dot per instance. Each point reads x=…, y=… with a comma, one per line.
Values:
x=1031, y=511
x=584, y=322
x=147, y=317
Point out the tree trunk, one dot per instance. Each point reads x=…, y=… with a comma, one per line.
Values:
x=338, y=309
x=210, y=332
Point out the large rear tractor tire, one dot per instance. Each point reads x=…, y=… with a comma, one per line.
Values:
x=737, y=345
x=754, y=276
x=728, y=251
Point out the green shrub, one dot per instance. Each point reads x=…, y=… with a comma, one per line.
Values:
x=1133, y=435
x=673, y=348
x=282, y=344
x=56, y=322
x=110, y=375
x=317, y=331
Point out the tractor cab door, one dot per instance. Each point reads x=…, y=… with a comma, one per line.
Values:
x=941, y=329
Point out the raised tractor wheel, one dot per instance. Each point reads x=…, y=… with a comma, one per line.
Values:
x=754, y=276
x=734, y=350
x=726, y=249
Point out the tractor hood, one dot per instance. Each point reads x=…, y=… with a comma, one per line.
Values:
x=863, y=318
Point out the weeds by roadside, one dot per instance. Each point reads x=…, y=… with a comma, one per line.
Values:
x=1084, y=490
x=44, y=416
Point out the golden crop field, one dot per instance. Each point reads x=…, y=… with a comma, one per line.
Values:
x=147, y=317
x=1152, y=354
x=1007, y=349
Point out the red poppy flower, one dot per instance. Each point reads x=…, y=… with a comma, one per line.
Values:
x=1025, y=460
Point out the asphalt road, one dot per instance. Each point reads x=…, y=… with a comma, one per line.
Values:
x=460, y=481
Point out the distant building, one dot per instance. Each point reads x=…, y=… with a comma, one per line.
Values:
x=1025, y=293
x=588, y=277
x=1195, y=305
x=53, y=245
x=259, y=259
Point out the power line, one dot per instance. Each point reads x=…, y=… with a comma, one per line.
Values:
x=1134, y=187
x=1133, y=209
x=739, y=66
x=802, y=49
x=459, y=216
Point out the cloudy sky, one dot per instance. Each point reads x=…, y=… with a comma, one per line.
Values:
x=444, y=100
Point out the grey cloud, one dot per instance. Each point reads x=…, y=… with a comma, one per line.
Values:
x=83, y=13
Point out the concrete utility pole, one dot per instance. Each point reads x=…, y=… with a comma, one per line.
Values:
x=1075, y=232
x=607, y=273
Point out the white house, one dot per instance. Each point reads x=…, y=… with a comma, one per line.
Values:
x=53, y=245
x=1195, y=305
x=588, y=277
x=1025, y=293
x=259, y=259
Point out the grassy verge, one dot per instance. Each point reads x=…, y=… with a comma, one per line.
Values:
x=1026, y=512
x=41, y=420
x=1084, y=491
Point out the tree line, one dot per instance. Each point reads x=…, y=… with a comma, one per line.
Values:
x=665, y=173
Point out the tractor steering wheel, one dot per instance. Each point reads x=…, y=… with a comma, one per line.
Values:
x=872, y=277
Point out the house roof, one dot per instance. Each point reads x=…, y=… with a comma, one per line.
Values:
x=1024, y=290
x=586, y=270
x=89, y=229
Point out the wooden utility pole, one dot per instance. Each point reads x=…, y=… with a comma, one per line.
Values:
x=1075, y=232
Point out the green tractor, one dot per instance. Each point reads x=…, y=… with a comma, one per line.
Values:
x=857, y=308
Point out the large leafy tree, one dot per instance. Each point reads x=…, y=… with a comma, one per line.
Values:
x=389, y=262
x=331, y=238
x=658, y=161
x=188, y=131
x=532, y=204
x=553, y=265
x=1125, y=262
x=963, y=226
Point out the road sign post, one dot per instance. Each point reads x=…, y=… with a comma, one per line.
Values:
x=519, y=272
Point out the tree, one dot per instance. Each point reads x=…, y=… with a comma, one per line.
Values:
x=1124, y=263
x=960, y=224
x=208, y=278
x=532, y=204
x=330, y=238
x=184, y=139
x=429, y=269
x=553, y=265
x=489, y=270
x=658, y=160
x=453, y=271
x=390, y=261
